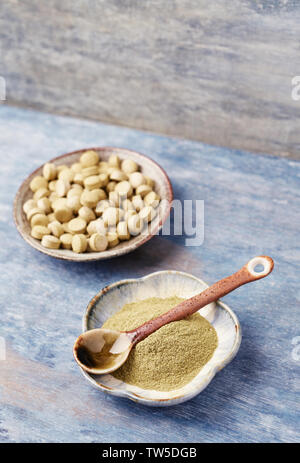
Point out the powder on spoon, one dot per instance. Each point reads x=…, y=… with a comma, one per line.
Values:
x=170, y=357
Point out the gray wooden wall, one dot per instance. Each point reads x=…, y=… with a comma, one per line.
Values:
x=218, y=71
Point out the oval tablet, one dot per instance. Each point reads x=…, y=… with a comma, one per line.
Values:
x=63, y=214
x=39, y=219
x=74, y=203
x=45, y=205
x=129, y=166
x=122, y=230
x=49, y=171
x=86, y=213
x=41, y=193
x=76, y=190
x=118, y=175
x=56, y=228
x=100, y=194
x=66, y=240
x=66, y=227
x=59, y=203
x=135, y=225
x=51, y=217
x=147, y=213
x=62, y=187
x=50, y=242
x=89, y=171
x=28, y=205
x=38, y=231
x=111, y=186
x=103, y=166
x=111, y=216
x=124, y=189
x=96, y=226
x=92, y=182
x=101, y=206
x=112, y=239
x=100, y=227
x=89, y=158
x=33, y=211
x=152, y=199
x=127, y=205
x=128, y=214
x=91, y=228
x=52, y=185
x=103, y=180
x=79, y=243
x=137, y=202
x=67, y=175
x=114, y=198
x=78, y=179
x=90, y=198
x=114, y=160
x=98, y=242
x=38, y=182
x=76, y=167
x=136, y=179
x=143, y=190
x=77, y=225
x=53, y=197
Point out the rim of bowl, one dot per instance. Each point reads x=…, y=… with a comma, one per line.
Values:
x=181, y=398
x=108, y=254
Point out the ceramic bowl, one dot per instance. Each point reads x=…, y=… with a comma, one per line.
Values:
x=147, y=166
x=164, y=284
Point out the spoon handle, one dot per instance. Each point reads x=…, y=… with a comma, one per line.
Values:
x=219, y=289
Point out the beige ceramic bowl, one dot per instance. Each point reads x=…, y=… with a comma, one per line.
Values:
x=163, y=284
x=148, y=167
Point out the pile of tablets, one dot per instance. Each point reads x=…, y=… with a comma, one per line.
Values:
x=91, y=205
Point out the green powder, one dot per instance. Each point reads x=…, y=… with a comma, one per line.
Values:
x=173, y=355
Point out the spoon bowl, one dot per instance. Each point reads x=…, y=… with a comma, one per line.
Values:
x=102, y=351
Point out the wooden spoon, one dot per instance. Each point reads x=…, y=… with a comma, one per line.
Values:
x=102, y=351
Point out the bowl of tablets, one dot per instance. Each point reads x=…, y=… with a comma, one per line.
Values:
x=93, y=204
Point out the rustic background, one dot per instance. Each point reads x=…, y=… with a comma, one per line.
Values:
x=219, y=72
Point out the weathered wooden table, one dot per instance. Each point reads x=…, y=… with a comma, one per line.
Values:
x=251, y=207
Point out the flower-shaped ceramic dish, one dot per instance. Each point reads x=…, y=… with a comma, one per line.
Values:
x=147, y=166
x=164, y=284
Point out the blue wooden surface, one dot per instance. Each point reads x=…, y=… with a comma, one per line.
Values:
x=251, y=207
